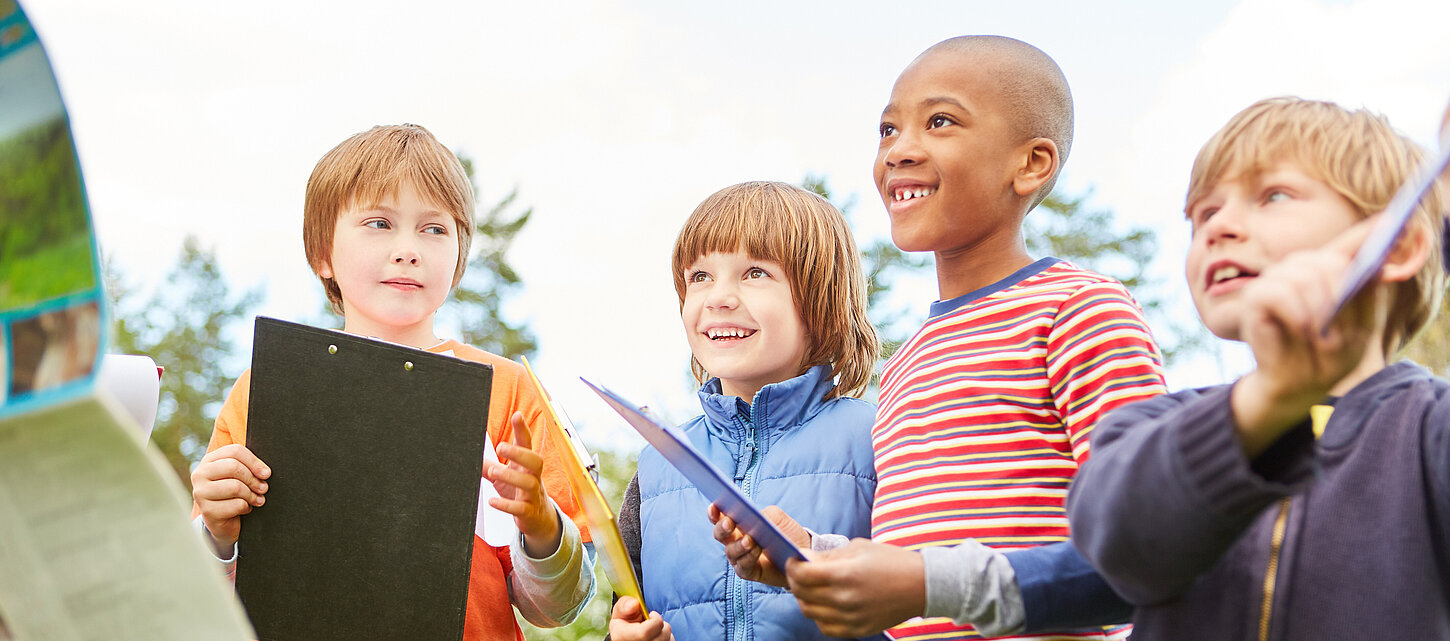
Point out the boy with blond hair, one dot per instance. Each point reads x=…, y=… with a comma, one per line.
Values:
x=985, y=413
x=1310, y=499
x=387, y=222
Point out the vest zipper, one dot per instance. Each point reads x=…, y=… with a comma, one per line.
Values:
x=1271, y=574
x=736, y=587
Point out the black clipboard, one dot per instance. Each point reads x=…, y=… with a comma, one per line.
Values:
x=376, y=451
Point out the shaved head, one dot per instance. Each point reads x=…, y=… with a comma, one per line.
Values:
x=1031, y=88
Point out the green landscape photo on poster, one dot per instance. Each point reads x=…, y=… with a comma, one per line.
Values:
x=45, y=241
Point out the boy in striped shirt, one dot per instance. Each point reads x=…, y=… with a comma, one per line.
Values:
x=985, y=413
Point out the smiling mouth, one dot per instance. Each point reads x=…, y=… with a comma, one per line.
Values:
x=729, y=333
x=912, y=192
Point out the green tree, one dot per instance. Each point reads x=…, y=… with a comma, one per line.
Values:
x=185, y=328
x=478, y=299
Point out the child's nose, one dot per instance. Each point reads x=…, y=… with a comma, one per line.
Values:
x=405, y=255
x=723, y=296
x=904, y=150
x=1225, y=224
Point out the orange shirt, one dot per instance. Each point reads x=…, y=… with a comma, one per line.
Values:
x=489, y=614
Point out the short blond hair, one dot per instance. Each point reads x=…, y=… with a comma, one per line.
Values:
x=1358, y=155
x=810, y=239
x=371, y=166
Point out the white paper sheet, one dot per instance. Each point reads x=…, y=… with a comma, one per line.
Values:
x=95, y=542
x=495, y=527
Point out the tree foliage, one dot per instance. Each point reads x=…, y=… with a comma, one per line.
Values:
x=1432, y=347
x=185, y=328
x=478, y=299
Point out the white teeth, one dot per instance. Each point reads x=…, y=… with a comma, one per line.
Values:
x=908, y=194
x=1224, y=273
x=727, y=332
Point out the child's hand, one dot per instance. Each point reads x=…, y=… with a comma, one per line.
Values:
x=627, y=622
x=521, y=493
x=860, y=589
x=1297, y=363
x=748, y=559
x=227, y=483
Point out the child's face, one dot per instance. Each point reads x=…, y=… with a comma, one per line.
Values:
x=947, y=157
x=394, y=264
x=1244, y=225
x=741, y=322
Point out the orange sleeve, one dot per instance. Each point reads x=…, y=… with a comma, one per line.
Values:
x=231, y=421
x=510, y=395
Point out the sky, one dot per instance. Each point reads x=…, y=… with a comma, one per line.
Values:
x=614, y=119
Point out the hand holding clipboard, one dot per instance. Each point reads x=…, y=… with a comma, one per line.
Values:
x=720, y=490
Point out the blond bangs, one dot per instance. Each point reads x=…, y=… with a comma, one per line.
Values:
x=809, y=238
x=1358, y=155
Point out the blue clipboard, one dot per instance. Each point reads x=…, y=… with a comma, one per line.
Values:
x=1376, y=248
x=716, y=487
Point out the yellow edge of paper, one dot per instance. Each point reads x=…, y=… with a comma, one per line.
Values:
x=602, y=528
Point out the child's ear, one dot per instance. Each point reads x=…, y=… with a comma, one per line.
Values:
x=1408, y=255
x=1039, y=163
x=324, y=269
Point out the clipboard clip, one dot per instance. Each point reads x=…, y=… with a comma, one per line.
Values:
x=590, y=460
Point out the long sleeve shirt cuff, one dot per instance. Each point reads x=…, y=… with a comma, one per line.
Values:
x=973, y=584
x=824, y=542
x=551, y=591
x=229, y=565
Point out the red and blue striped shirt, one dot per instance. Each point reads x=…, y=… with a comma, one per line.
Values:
x=986, y=412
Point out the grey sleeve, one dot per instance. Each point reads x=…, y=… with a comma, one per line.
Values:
x=973, y=584
x=630, y=529
x=550, y=592
x=824, y=542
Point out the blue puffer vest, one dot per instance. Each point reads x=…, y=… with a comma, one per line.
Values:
x=789, y=448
